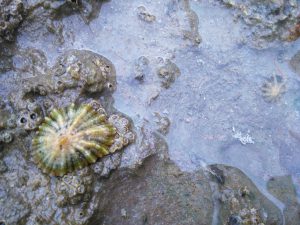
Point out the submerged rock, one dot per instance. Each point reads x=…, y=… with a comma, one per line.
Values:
x=144, y=15
x=168, y=73
x=239, y=199
x=284, y=189
x=268, y=20
x=295, y=62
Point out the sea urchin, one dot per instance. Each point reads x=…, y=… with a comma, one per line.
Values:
x=273, y=88
x=72, y=138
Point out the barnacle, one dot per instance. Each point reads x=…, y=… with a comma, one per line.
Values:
x=273, y=88
x=72, y=138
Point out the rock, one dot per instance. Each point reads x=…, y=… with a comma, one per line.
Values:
x=268, y=20
x=141, y=68
x=163, y=123
x=84, y=69
x=13, y=208
x=193, y=23
x=168, y=73
x=240, y=200
x=155, y=193
x=295, y=62
x=144, y=15
x=283, y=188
x=12, y=13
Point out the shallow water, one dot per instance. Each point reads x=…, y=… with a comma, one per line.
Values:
x=217, y=95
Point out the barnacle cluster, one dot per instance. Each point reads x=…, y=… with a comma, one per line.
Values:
x=30, y=117
x=6, y=136
x=72, y=138
x=74, y=188
x=273, y=88
x=124, y=135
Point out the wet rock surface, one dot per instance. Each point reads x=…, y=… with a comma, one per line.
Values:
x=156, y=192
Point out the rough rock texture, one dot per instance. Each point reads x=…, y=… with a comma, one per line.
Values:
x=283, y=189
x=54, y=200
x=84, y=69
x=144, y=15
x=80, y=70
x=19, y=210
x=168, y=73
x=155, y=193
x=12, y=13
x=268, y=20
x=240, y=200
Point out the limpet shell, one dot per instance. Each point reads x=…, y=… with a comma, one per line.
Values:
x=71, y=139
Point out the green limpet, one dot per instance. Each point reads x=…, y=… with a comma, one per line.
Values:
x=72, y=138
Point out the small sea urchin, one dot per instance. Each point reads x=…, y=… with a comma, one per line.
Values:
x=72, y=138
x=273, y=88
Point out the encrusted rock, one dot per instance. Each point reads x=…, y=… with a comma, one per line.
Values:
x=144, y=15
x=30, y=117
x=74, y=188
x=12, y=14
x=168, y=73
x=241, y=202
x=85, y=70
x=269, y=20
x=125, y=134
x=141, y=68
x=15, y=210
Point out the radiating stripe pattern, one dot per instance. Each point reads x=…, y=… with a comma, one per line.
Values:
x=72, y=138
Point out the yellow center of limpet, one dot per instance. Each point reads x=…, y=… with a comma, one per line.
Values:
x=64, y=142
